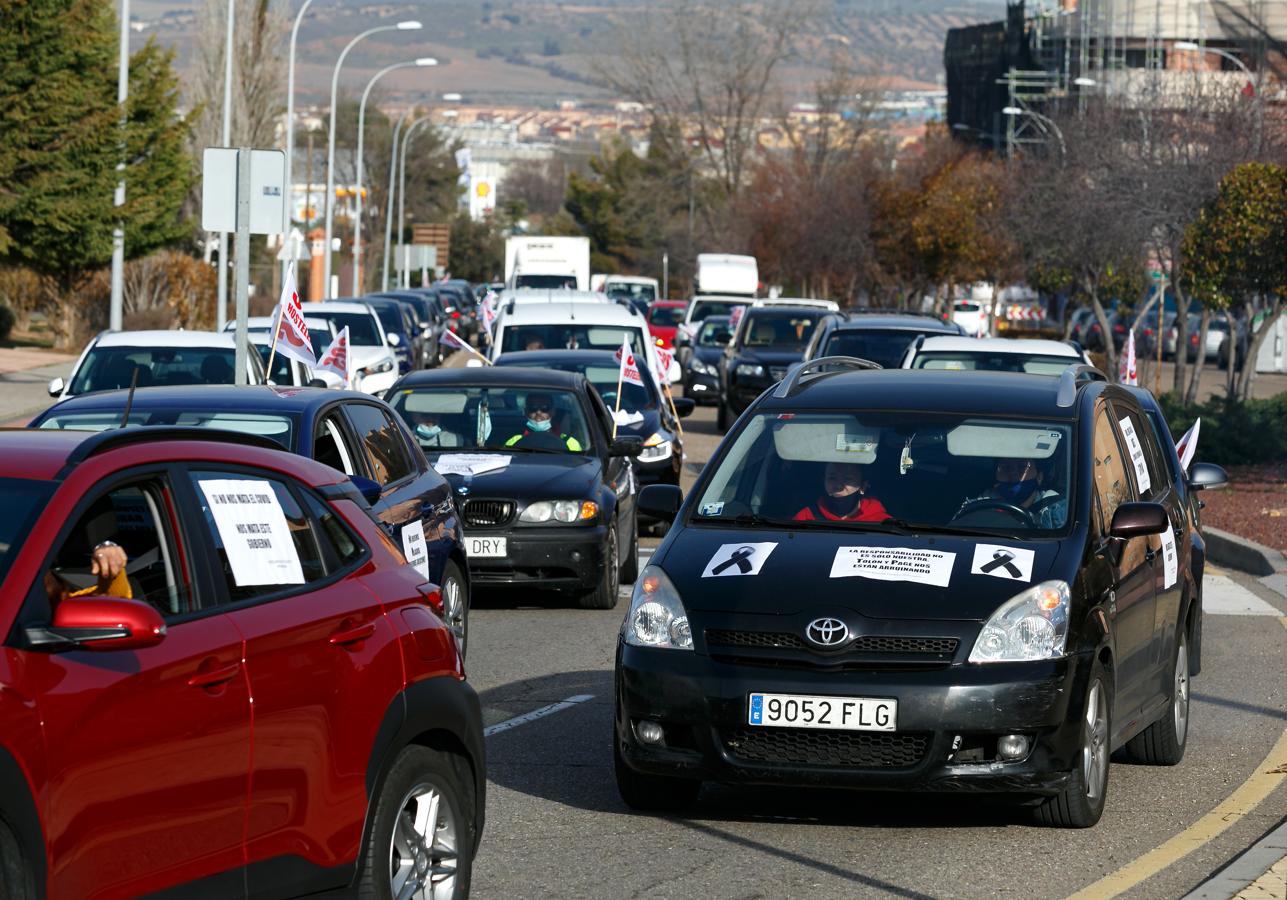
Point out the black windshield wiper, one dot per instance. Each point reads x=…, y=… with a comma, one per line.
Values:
x=922, y=528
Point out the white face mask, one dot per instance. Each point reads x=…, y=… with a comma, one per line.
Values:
x=539, y=426
x=428, y=431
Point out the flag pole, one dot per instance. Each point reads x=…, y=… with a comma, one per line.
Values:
x=621, y=371
x=272, y=350
x=671, y=397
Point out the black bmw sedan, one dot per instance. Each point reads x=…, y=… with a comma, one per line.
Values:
x=767, y=340
x=546, y=495
x=904, y=580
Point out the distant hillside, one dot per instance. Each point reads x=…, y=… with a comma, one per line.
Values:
x=536, y=52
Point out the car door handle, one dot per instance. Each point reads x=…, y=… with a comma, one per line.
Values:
x=215, y=677
x=353, y=635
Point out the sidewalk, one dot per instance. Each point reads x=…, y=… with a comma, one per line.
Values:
x=24, y=381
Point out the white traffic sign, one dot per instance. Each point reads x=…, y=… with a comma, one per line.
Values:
x=219, y=190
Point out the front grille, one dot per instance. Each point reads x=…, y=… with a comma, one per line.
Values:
x=481, y=513
x=871, y=643
x=810, y=747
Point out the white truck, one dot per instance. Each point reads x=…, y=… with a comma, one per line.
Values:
x=547, y=262
x=727, y=274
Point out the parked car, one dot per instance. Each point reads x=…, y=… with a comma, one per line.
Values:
x=664, y=318
x=287, y=371
x=882, y=337
x=373, y=360
x=401, y=331
x=927, y=626
x=118, y=359
x=460, y=304
x=429, y=319
x=349, y=431
x=133, y=762
x=701, y=369
x=637, y=292
x=971, y=316
x=765, y=342
x=546, y=495
x=968, y=354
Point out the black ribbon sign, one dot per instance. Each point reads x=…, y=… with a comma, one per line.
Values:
x=741, y=558
x=1002, y=559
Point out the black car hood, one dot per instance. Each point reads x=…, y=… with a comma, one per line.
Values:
x=796, y=575
x=528, y=476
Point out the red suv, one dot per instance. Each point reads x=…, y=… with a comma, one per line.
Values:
x=664, y=319
x=219, y=673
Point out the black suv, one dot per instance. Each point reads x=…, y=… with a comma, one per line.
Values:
x=882, y=337
x=919, y=580
x=767, y=340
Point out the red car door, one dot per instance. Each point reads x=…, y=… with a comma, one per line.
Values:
x=147, y=750
x=324, y=664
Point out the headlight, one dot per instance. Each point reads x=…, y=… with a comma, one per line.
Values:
x=657, y=617
x=702, y=368
x=656, y=448
x=564, y=511
x=1033, y=625
x=385, y=365
x=750, y=370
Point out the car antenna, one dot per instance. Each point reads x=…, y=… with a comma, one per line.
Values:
x=129, y=401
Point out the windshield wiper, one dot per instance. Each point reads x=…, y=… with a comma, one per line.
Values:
x=922, y=528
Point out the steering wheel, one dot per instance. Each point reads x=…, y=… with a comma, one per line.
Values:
x=1023, y=515
x=1035, y=509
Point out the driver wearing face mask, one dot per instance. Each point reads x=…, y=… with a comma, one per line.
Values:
x=1019, y=482
x=538, y=431
x=429, y=432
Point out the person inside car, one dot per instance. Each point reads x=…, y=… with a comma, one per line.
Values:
x=429, y=432
x=107, y=564
x=1019, y=483
x=539, y=433
x=844, y=497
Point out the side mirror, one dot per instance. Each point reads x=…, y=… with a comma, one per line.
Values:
x=626, y=446
x=317, y=382
x=1138, y=519
x=1203, y=476
x=56, y=387
x=369, y=489
x=661, y=501
x=723, y=337
x=684, y=406
x=393, y=339
x=107, y=623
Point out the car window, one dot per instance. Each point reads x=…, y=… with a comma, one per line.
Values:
x=25, y=499
x=666, y=316
x=625, y=291
x=706, y=337
x=263, y=542
x=634, y=397
x=362, y=326
x=279, y=427
x=927, y=468
x=969, y=361
x=494, y=418
x=777, y=331
x=1112, y=483
x=569, y=336
x=381, y=441
x=139, y=518
x=1150, y=481
x=330, y=448
x=338, y=544
x=703, y=308
x=112, y=368
x=884, y=346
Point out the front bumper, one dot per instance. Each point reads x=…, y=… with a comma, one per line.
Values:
x=569, y=558
x=702, y=388
x=702, y=706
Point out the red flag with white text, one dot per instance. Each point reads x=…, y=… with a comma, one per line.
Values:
x=664, y=359
x=337, y=359
x=290, y=333
x=629, y=369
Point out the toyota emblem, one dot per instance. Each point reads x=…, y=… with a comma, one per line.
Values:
x=827, y=632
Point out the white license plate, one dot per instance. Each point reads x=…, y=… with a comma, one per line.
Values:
x=485, y=546
x=841, y=713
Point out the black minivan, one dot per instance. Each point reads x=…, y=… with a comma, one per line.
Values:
x=917, y=580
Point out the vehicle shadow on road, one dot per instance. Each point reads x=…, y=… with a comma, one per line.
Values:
x=566, y=758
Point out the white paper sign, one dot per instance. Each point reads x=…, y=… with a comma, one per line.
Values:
x=470, y=463
x=1010, y=563
x=1170, y=560
x=894, y=564
x=1137, y=456
x=414, y=548
x=738, y=559
x=254, y=532
x=627, y=417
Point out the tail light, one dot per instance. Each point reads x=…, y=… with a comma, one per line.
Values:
x=455, y=314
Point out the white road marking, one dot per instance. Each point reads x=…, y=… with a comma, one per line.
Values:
x=536, y=714
x=1223, y=597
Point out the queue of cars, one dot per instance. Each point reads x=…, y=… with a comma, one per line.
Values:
x=963, y=564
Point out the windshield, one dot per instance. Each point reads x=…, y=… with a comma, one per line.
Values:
x=546, y=282
x=569, y=336
x=361, y=326
x=703, y=308
x=111, y=368
x=281, y=373
x=666, y=316
x=981, y=361
x=494, y=418
x=390, y=317
x=922, y=469
x=624, y=291
x=24, y=498
x=278, y=426
x=884, y=346
x=713, y=326
x=779, y=330
x=604, y=378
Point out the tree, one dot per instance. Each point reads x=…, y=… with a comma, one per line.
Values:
x=477, y=249
x=540, y=184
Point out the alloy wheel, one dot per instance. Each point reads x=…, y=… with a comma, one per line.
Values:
x=1180, y=701
x=423, y=852
x=1095, y=745
x=453, y=609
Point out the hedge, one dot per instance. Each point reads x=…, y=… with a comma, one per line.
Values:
x=1233, y=432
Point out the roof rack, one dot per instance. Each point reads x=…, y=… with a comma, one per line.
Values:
x=103, y=441
x=1074, y=377
x=816, y=368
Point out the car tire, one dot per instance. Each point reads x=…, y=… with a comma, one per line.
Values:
x=17, y=881
x=604, y=595
x=630, y=562
x=651, y=793
x=418, y=777
x=455, y=604
x=1163, y=742
x=1081, y=803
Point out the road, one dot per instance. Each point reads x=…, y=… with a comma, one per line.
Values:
x=556, y=827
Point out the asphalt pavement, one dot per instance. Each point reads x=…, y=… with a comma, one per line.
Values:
x=556, y=826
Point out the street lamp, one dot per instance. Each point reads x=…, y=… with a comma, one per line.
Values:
x=388, y=215
x=1043, y=121
x=402, y=191
x=287, y=249
x=1255, y=81
x=357, y=226
x=330, y=144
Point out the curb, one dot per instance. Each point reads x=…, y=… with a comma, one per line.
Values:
x=1242, y=554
